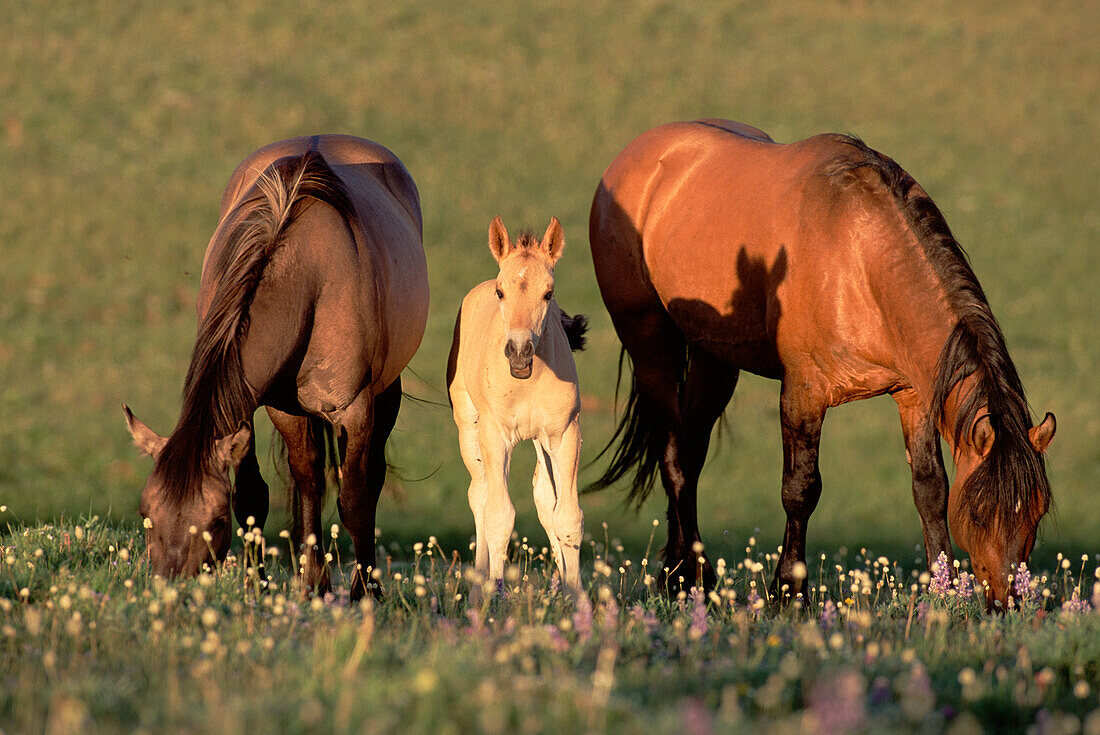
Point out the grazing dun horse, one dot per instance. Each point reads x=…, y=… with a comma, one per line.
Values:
x=824, y=265
x=313, y=298
x=511, y=377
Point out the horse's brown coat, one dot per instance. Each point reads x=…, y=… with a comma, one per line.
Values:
x=819, y=263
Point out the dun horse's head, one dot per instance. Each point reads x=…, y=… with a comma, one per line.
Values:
x=524, y=287
x=187, y=522
x=999, y=496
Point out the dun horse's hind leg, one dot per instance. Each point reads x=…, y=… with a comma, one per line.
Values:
x=305, y=442
x=364, y=470
x=801, y=415
x=922, y=446
x=250, y=495
x=555, y=490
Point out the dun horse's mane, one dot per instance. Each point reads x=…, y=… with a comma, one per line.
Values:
x=1012, y=478
x=216, y=398
x=527, y=240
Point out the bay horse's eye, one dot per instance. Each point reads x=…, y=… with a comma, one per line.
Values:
x=500, y=294
x=548, y=295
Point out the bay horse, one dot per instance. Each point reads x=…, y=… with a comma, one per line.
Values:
x=824, y=265
x=313, y=298
x=511, y=377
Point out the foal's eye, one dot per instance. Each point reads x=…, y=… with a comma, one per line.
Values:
x=500, y=294
x=548, y=295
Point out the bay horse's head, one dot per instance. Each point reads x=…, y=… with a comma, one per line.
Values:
x=186, y=514
x=524, y=287
x=999, y=496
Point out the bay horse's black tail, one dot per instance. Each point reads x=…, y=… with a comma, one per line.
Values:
x=641, y=436
x=575, y=329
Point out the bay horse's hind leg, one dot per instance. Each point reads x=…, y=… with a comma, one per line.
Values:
x=364, y=476
x=707, y=392
x=250, y=494
x=305, y=442
x=801, y=415
x=922, y=448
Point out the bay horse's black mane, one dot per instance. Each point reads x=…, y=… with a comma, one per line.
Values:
x=1012, y=478
x=216, y=398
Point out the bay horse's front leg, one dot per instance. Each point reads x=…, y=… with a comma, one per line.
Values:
x=801, y=415
x=305, y=443
x=558, y=505
x=250, y=495
x=368, y=423
x=930, y=488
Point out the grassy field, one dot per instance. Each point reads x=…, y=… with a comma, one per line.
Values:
x=121, y=121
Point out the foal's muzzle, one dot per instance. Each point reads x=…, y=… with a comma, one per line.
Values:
x=520, y=352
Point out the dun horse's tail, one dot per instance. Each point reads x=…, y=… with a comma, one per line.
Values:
x=215, y=396
x=575, y=329
x=640, y=441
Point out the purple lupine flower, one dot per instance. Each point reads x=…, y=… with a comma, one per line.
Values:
x=645, y=617
x=828, y=614
x=557, y=640
x=837, y=704
x=1075, y=605
x=754, y=599
x=964, y=586
x=582, y=618
x=1021, y=585
x=698, y=614
x=941, y=576
x=696, y=716
x=610, y=617
x=555, y=583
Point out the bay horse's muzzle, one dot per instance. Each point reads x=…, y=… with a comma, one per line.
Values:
x=520, y=351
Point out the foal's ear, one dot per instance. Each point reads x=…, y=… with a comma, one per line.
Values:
x=145, y=438
x=553, y=242
x=231, y=449
x=1041, y=435
x=499, y=242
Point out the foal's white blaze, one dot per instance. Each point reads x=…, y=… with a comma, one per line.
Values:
x=511, y=378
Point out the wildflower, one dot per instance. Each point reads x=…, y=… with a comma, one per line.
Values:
x=755, y=603
x=941, y=576
x=646, y=617
x=1021, y=585
x=964, y=586
x=582, y=618
x=837, y=705
x=828, y=614
x=698, y=615
x=1075, y=605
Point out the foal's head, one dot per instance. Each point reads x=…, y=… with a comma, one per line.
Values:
x=186, y=526
x=999, y=496
x=524, y=287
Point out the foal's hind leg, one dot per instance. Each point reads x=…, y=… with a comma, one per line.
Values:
x=364, y=475
x=922, y=447
x=250, y=495
x=801, y=414
x=305, y=442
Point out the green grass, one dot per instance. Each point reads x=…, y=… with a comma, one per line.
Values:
x=89, y=641
x=120, y=123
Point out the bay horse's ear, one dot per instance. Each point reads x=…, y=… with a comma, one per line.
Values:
x=499, y=242
x=231, y=449
x=553, y=242
x=1041, y=435
x=145, y=438
x=983, y=436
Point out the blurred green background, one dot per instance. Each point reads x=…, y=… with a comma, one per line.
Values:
x=121, y=121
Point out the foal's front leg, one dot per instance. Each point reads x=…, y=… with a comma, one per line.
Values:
x=557, y=503
x=498, y=514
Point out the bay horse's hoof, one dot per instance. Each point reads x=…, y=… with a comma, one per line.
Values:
x=359, y=588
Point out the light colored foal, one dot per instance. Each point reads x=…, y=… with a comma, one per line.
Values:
x=511, y=377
